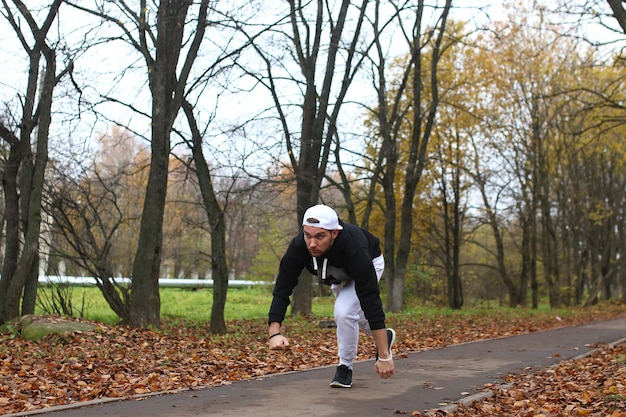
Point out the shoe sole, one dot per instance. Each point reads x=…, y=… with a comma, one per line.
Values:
x=337, y=384
x=393, y=338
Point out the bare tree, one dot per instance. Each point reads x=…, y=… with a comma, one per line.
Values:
x=405, y=111
x=160, y=43
x=217, y=223
x=214, y=204
x=450, y=186
x=24, y=171
x=91, y=213
x=325, y=51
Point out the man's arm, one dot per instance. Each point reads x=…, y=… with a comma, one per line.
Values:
x=291, y=265
x=384, y=365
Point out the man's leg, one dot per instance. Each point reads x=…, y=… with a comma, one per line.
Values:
x=347, y=316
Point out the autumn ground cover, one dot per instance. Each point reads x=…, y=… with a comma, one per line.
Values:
x=592, y=386
x=117, y=361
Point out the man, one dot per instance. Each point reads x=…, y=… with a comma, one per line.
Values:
x=348, y=259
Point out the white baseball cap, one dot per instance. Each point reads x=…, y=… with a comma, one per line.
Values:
x=321, y=216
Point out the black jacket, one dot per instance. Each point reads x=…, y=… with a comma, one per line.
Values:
x=353, y=251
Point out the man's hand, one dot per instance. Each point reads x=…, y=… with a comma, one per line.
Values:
x=385, y=369
x=279, y=342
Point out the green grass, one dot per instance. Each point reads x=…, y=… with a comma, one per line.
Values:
x=253, y=303
x=177, y=303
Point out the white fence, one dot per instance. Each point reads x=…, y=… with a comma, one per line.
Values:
x=163, y=282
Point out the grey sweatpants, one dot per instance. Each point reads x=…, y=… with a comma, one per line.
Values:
x=349, y=316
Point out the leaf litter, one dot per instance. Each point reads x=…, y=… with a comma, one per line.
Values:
x=123, y=362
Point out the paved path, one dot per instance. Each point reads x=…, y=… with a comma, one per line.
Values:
x=423, y=381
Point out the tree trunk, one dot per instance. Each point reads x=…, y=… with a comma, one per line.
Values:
x=302, y=303
x=23, y=205
x=622, y=283
x=166, y=102
x=37, y=180
x=12, y=247
x=30, y=289
x=215, y=215
x=220, y=271
x=28, y=265
x=308, y=193
x=455, y=287
x=145, y=298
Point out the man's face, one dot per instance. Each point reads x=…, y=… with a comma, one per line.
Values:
x=318, y=240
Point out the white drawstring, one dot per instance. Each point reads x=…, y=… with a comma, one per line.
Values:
x=324, y=265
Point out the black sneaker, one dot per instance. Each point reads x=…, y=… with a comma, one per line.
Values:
x=391, y=337
x=343, y=377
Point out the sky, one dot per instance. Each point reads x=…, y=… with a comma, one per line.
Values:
x=98, y=66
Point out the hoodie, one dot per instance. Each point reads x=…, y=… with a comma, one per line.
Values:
x=352, y=252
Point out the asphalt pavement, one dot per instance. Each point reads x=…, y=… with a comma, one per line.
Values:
x=427, y=380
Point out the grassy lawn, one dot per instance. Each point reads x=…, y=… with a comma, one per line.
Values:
x=253, y=303
x=177, y=303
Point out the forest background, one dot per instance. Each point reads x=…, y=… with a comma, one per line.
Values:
x=185, y=139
